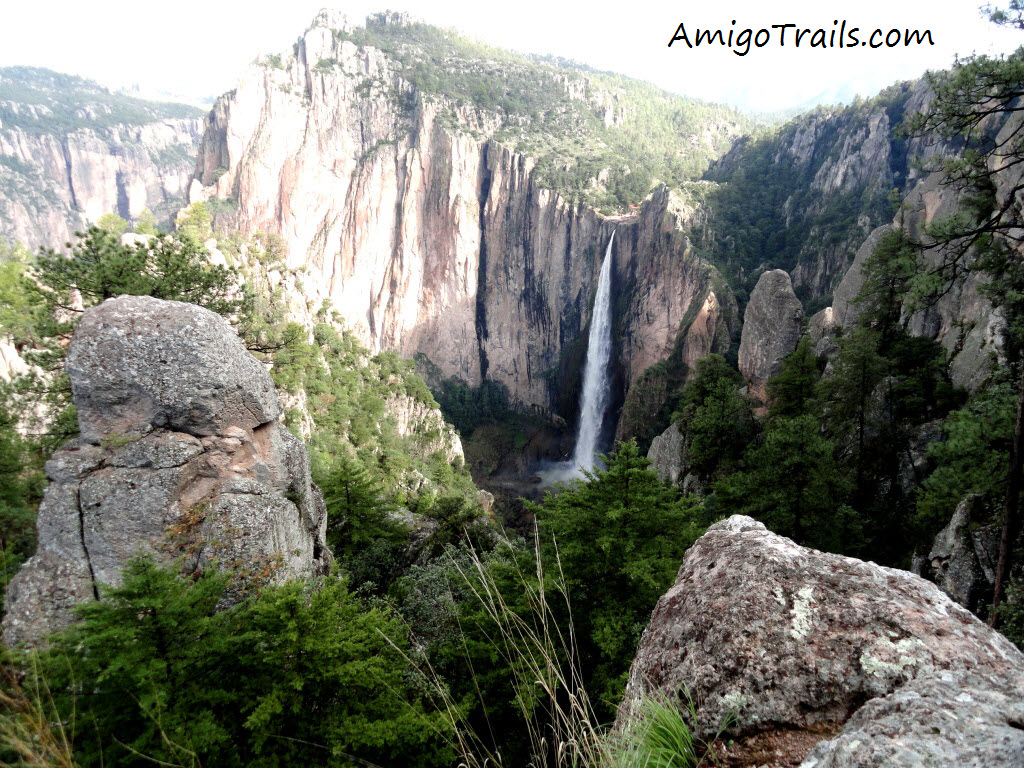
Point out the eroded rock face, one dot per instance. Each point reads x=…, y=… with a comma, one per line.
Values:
x=59, y=181
x=771, y=329
x=180, y=457
x=940, y=719
x=963, y=557
x=438, y=240
x=666, y=454
x=788, y=637
x=139, y=362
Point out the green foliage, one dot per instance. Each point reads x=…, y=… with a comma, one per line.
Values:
x=792, y=483
x=715, y=419
x=16, y=304
x=972, y=457
x=112, y=223
x=791, y=390
x=659, y=736
x=195, y=222
x=575, y=121
x=146, y=223
x=20, y=490
x=348, y=393
x=300, y=675
x=370, y=543
x=618, y=538
x=1012, y=613
x=888, y=275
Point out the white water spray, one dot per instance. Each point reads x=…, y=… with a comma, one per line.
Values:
x=594, y=399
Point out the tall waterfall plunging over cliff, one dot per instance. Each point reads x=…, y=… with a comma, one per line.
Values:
x=594, y=400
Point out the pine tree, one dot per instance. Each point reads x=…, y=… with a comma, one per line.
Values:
x=716, y=420
x=302, y=674
x=792, y=484
x=791, y=390
x=618, y=538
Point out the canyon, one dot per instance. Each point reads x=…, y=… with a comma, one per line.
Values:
x=71, y=151
x=432, y=227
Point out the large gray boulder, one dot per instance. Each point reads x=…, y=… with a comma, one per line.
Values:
x=139, y=363
x=844, y=307
x=180, y=457
x=771, y=329
x=940, y=719
x=791, y=638
x=962, y=560
x=666, y=454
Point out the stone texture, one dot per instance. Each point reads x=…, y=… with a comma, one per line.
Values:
x=941, y=719
x=789, y=637
x=772, y=326
x=844, y=311
x=822, y=328
x=139, y=362
x=666, y=454
x=149, y=378
x=963, y=557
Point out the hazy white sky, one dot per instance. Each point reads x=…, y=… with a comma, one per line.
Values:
x=197, y=48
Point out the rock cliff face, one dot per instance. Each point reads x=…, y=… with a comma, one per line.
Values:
x=180, y=456
x=71, y=151
x=791, y=638
x=772, y=326
x=827, y=178
x=430, y=235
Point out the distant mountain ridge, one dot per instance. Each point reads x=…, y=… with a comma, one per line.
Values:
x=72, y=150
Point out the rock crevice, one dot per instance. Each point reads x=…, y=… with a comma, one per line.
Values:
x=180, y=458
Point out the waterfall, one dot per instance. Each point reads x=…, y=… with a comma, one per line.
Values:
x=594, y=399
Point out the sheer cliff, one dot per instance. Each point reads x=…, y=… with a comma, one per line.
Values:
x=71, y=151
x=418, y=213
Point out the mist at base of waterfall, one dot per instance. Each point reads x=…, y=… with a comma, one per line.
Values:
x=552, y=473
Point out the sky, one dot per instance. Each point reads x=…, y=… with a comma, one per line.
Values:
x=197, y=50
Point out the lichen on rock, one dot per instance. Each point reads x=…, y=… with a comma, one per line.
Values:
x=180, y=457
x=784, y=637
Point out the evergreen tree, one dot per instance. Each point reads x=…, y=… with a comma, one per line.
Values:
x=618, y=538
x=146, y=223
x=791, y=390
x=300, y=675
x=972, y=457
x=112, y=223
x=792, y=484
x=847, y=398
x=888, y=275
x=716, y=420
x=370, y=542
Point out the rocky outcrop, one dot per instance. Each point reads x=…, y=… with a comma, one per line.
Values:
x=772, y=325
x=138, y=363
x=62, y=168
x=963, y=557
x=844, y=308
x=429, y=235
x=790, y=638
x=666, y=454
x=945, y=718
x=414, y=418
x=180, y=457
